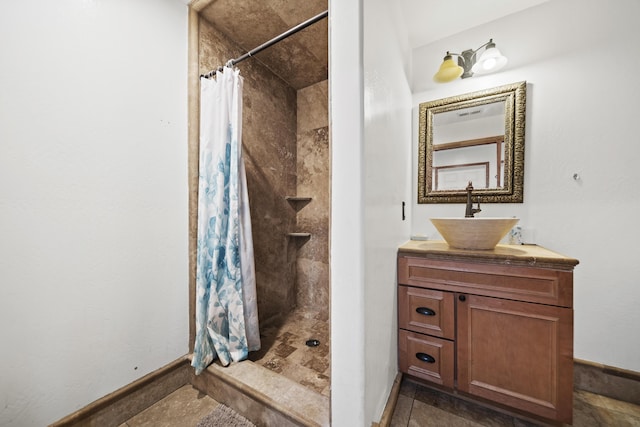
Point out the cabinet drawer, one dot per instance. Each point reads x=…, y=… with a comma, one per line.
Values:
x=531, y=284
x=426, y=311
x=426, y=357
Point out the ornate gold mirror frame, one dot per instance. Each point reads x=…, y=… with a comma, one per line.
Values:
x=514, y=98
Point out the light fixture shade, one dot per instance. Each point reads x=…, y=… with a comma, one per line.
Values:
x=449, y=71
x=491, y=60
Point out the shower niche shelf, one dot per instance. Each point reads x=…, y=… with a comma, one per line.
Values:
x=302, y=235
x=298, y=202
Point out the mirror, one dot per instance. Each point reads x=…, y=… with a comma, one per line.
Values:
x=476, y=137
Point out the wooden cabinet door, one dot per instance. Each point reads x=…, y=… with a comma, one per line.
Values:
x=517, y=354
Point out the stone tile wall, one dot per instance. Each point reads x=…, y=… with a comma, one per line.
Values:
x=313, y=180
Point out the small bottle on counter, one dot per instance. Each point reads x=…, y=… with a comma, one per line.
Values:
x=515, y=235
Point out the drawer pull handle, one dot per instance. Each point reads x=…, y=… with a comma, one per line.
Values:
x=426, y=311
x=425, y=357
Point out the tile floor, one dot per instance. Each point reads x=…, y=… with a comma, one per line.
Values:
x=419, y=406
x=285, y=352
x=184, y=407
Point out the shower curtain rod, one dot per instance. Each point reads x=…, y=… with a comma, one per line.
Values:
x=270, y=43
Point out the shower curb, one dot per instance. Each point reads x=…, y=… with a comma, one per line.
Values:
x=262, y=396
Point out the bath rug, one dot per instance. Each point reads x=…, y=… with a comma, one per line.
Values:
x=223, y=416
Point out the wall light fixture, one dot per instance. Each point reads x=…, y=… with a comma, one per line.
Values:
x=489, y=61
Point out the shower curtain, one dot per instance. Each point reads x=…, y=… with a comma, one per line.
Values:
x=226, y=306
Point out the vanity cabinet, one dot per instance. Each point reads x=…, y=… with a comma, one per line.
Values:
x=496, y=325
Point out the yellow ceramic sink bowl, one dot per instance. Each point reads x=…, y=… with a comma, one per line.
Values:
x=473, y=233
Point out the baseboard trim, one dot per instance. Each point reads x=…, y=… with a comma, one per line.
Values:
x=387, y=413
x=617, y=383
x=610, y=370
x=163, y=381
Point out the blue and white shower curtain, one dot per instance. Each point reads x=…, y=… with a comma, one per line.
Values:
x=226, y=305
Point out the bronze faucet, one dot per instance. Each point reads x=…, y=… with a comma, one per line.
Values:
x=470, y=211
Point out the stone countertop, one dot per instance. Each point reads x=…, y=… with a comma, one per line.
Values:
x=524, y=255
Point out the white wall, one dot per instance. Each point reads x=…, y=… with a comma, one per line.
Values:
x=387, y=175
x=370, y=179
x=578, y=59
x=346, y=241
x=93, y=200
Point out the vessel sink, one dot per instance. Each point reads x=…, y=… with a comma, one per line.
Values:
x=473, y=233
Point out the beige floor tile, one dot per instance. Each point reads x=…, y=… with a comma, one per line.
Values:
x=433, y=408
x=184, y=407
x=424, y=415
x=402, y=411
x=306, y=377
x=408, y=388
x=614, y=405
x=591, y=409
x=285, y=351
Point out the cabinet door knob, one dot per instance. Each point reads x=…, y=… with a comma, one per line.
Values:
x=462, y=298
x=426, y=311
x=425, y=357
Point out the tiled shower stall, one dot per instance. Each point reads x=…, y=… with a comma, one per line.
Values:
x=286, y=152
